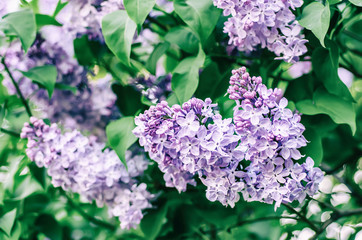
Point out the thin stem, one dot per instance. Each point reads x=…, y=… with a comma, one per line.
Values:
x=11, y=133
x=250, y=221
x=302, y=217
x=269, y=218
x=350, y=160
x=23, y=100
x=87, y=216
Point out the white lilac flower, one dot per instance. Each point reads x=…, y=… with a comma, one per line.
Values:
x=268, y=24
x=79, y=164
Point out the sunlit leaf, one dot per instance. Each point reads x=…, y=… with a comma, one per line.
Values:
x=118, y=31
x=186, y=76
x=45, y=75
x=22, y=24
x=7, y=221
x=316, y=17
x=120, y=136
x=138, y=10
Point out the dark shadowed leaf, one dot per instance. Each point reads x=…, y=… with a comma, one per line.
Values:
x=314, y=148
x=46, y=224
x=325, y=65
x=153, y=221
x=129, y=100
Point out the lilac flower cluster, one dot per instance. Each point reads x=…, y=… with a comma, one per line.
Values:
x=188, y=140
x=254, y=153
x=89, y=109
x=154, y=88
x=84, y=17
x=271, y=135
x=79, y=164
x=268, y=23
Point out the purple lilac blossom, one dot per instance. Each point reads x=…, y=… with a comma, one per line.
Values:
x=193, y=139
x=269, y=24
x=255, y=153
x=271, y=135
x=84, y=17
x=89, y=109
x=155, y=89
x=79, y=164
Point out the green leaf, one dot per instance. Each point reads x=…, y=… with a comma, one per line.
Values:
x=62, y=86
x=83, y=51
x=22, y=24
x=7, y=221
x=159, y=50
x=25, y=186
x=184, y=38
x=129, y=100
x=172, y=99
x=325, y=65
x=314, y=148
x=120, y=136
x=118, y=31
x=45, y=75
x=2, y=113
x=43, y=20
x=201, y=16
x=153, y=221
x=340, y=110
x=358, y=3
x=209, y=80
x=138, y=10
x=59, y=7
x=186, y=76
x=331, y=2
x=46, y=224
x=316, y=17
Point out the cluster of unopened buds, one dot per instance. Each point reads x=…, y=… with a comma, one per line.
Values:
x=255, y=153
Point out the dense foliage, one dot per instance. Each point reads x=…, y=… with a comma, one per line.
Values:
x=183, y=119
